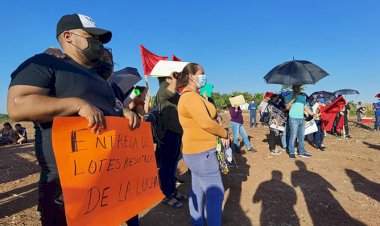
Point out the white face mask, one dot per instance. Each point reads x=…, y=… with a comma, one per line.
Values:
x=202, y=80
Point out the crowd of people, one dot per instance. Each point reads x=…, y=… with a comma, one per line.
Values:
x=286, y=114
x=76, y=82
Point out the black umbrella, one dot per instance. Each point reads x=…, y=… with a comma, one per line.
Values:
x=328, y=96
x=296, y=72
x=346, y=92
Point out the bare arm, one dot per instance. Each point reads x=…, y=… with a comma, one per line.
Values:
x=30, y=103
x=147, y=102
x=289, y=105
x=307, y=109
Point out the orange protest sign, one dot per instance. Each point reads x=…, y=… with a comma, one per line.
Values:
x=107, y=178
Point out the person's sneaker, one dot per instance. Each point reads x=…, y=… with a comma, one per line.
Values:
x=292, y=156
x=275, y=152
x=322, y=148
x=315, y=146
x=304, y=155
x=252, y=150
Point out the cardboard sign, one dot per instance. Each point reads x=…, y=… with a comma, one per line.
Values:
x=279, y=128
x=108, y=178
x=126, y=78
x=238, y=100
x=165, y=68
x=310, y=127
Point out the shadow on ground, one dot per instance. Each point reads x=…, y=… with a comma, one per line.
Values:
x=363, y=185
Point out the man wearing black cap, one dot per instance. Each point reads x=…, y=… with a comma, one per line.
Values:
x=45, y=86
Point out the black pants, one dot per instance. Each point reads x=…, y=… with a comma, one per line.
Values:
x=169, y=155
x=346, y=128
x=50, y=204
x=272, y=138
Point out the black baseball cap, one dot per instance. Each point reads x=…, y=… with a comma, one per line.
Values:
x=86, y=23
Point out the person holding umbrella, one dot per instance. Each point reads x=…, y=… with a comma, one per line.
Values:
x=296, y=104
x=295, y=73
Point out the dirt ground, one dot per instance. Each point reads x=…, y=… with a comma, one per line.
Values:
x=340, y=186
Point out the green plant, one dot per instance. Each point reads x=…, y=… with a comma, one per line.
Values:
x=4, y=118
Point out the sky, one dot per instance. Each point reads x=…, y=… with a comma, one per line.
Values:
x=237, y=42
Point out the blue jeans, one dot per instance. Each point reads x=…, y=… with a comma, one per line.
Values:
x=169, y=155
x=377, y=122
x=297, y=130
x=252, y=117
x=237, y=129
x=206, y=182
x=284, y=138
x=319, y=135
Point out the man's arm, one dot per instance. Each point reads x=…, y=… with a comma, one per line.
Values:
x=30, y=103
x=290, y=103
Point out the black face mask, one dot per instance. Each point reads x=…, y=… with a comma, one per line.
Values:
x=94, y=51
x=103, y=69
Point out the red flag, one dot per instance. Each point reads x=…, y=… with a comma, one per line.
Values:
x=329, y=113
x=174, y=58
x=149, y=59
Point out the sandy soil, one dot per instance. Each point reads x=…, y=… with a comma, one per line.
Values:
x=340, y=186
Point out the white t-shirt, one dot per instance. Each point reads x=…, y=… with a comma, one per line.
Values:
x=263, y=105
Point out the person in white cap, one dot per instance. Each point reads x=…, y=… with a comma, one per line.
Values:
x=45, y=86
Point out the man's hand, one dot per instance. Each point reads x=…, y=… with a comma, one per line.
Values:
x=94, y=117
x=134, y=119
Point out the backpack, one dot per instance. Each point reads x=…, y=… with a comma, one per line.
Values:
x=154, y=117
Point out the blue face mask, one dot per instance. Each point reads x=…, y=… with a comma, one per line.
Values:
x=202, y=81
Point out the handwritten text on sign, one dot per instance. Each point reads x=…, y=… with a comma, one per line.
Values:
x=108, y=178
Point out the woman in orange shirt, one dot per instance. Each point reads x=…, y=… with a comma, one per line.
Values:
x=200, y=132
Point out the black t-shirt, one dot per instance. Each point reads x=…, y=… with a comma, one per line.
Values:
x=64, y=78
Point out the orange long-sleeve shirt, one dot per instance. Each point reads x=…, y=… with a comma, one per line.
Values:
x=200, y=131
